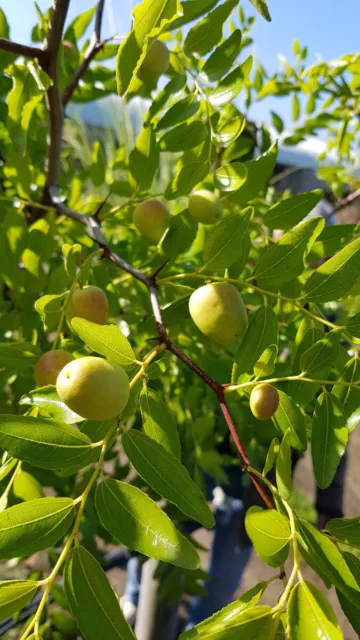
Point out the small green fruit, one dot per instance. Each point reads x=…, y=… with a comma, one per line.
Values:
x=205, y=206
x=94, y=388
x=219, y=312
x=151, y=218
x=90, y=303
x=49, y=366
x=264, y=401
x=155, y=63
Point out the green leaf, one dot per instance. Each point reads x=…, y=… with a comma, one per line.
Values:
x=332, y=239
x=269, y=531
x=169, y=91
x=98, y=164
x=150, y=18
x=44, y=443
x=284, y=260
x=34, y=525
x=255, y=623
x=351, y=610
x=283, y=468
x=228, y=132
x=18, y=355
x=144, y=159
x=138, y=523
x=78, y=26
x=335, y=277
x=180, y=235
x=48, y=400
x=262, y=8
x=353, y=326
x=92, y=600
x=186, y=179
x=289, y=212
x=14, y=595
x=289, y=417
x=277, y=122
x=324, y=557
x=347, y=531
x=329, y=438
x=192, y=10
x=26, y=487
x=349, y=397
x=266, y=363
x=221, y=60
x=158, y=422
x=295, y=107
x=226, y=616
x=179, y=112
x=222, y=244
x=166, y=475
x=271, y=455
x=261, y=333
x=317, y=356
x=259, y=173
x=310, y=615
x=107, y=340
x=208, y=32
x=230, y=177
x=49, y=308
x=231, y=85
x=184, y=136
x=72, y=255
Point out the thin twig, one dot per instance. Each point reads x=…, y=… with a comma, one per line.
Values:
x=96, y=44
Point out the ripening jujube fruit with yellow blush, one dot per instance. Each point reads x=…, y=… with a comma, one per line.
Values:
x=264, y=401
x=155, y=63
x=152, y=219
x=205, y=206
x=49, y=366
x=219, y=312
x=89, y=303
x=94, y=388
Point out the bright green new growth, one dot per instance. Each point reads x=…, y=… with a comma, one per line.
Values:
x=151, y=219
x=205, y=206
x=155, y=63
x=219, y=312
x=94, y=388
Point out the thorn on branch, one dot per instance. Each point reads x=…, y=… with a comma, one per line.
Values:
x=156, y=273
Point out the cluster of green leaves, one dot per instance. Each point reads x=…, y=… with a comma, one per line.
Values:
x=192, y=135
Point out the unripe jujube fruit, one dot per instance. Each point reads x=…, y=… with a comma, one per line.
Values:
x=94, y=388
x=264, y=400
x=90, y=303
x=155, y=63
x=205, y=206
x=219, y=312
x=151, y=218
x=49, y=366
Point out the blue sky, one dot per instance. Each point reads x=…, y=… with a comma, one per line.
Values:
x=329, y=28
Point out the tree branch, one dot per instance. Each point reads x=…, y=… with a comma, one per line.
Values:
x=347, y=200
x=22, y=49
x=94, y=47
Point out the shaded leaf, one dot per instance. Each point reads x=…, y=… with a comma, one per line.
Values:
x=184, y=136
x=186, y=178
x=283, y=468
x=262, y=8
x=347, y=531
x=329, y=438
x=144, y=159
x=18, y=355
x=231, y=85
x=335, y=277
x=224, y=241
x=92, y=600
x=289, y=212
x=230, y=176
x=138, y=523
x=261, y=333
x=266, y=363
x=14, y=595
x=271, y=455
x=221, y=60
x=158, y=422
x=180, y=234
x=259, y=173
x=166, y=475
x=204, y=35
x=289, y=417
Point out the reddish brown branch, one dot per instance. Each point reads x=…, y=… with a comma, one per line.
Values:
x=22, y=49
x=93, y=49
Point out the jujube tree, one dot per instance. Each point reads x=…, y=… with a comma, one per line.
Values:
x=201, y=301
